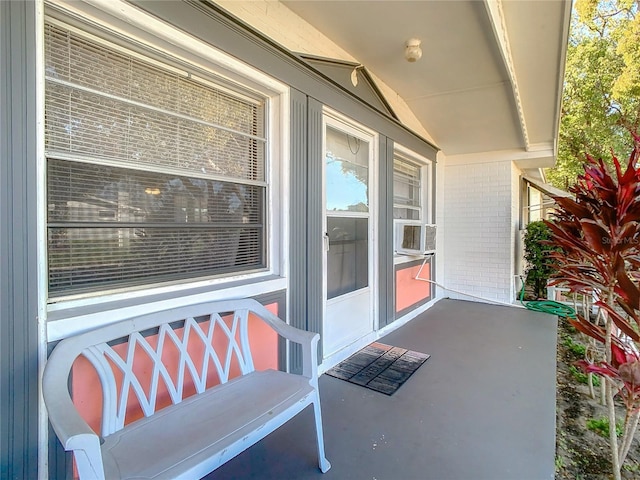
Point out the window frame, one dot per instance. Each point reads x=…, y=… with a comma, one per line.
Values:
x=143, y=34
x=426, y=199
x=537, y=211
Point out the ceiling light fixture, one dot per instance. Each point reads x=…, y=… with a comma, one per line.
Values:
x=412, y=50
x=354, y=75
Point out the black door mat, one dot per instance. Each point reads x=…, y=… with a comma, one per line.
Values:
x=380, y=367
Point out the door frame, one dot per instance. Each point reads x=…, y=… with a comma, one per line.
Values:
x=334, y=119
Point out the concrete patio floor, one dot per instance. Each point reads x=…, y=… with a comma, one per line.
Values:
x=482, y=407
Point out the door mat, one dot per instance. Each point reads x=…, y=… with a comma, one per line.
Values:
x=380, y=367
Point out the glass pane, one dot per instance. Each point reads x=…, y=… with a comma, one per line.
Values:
x=92, y=259
x=144, y=114
x=405, y=193
x=348, y=255
x=407, y=184
x=347, y=172
x=406, y=214
x=116, y=226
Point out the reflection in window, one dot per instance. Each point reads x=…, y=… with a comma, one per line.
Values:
x=347, y=172
x=407, y=189
x=348, y=257
x=107, y=224
x=151, y=176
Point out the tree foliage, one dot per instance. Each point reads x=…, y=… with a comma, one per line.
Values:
x=536, y=253
x=601, y=97
x=598, y=234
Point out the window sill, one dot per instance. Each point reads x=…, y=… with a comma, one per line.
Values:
x=399, y=259
x=64, y=322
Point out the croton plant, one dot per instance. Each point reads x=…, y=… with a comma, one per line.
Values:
x=598, y=233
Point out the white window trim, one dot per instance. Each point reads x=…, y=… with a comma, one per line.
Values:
x=426, y=198
x=126, y=21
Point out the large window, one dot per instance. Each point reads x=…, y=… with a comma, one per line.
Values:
x=152, y=175
x=411, y=177
x=411, y=187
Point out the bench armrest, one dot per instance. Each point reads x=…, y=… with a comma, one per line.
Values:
x=74, y=433
x=308, y=340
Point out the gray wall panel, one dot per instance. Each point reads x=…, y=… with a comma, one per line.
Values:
x=18, y=247
x=214, y=25
x=298, y=221
x=60, y=462
x=385, y=233
x=279, y=298
x=315, y=228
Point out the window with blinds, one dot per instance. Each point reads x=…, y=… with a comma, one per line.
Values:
x=152, y=176
x=407, y=189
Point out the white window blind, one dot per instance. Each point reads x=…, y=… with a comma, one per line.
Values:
x=407, y=189
x=152, y=176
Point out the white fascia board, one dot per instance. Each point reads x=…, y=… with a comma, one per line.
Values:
x=562, y=61
x=498, y=24
x=543, y=154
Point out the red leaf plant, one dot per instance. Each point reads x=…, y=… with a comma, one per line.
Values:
x=598, y=233
x=624, y=372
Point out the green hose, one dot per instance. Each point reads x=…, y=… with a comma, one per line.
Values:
x=547, y=306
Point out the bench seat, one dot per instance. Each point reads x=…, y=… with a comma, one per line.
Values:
x=192, y=438
x=176, y=348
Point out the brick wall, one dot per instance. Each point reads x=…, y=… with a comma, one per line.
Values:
x=478, y=219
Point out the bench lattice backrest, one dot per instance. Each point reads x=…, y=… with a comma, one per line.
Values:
x=196, y=340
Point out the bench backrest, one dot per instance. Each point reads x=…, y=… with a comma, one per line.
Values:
x=181, y=350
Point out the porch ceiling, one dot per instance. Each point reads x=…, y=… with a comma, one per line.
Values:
x=490, y=75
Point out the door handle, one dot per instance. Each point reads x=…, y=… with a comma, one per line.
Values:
x=325, y=240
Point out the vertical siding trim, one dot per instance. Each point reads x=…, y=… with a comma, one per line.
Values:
x=315, y=300
x=385, y=227
x=18, y=242
x=297, y=219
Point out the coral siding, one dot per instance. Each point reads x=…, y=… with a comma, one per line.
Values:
x=87, y=392
x=410, y=291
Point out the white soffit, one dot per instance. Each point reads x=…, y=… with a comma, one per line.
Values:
x=490, y=73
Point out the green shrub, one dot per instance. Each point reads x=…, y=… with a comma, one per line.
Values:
x=536, y=254
x=576, y=348
x=582, y=377
x=601, y=426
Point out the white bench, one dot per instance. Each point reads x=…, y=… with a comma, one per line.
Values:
x=192, y=436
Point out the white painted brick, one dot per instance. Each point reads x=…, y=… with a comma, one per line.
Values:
x=478, y=217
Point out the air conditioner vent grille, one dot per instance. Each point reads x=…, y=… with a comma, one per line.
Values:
x=413, y=238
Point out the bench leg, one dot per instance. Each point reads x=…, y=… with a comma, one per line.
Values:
x=322, y=459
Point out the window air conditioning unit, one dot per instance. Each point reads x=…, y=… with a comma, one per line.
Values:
x=415, y=238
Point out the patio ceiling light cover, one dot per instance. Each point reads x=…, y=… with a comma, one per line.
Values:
x=412, y=50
